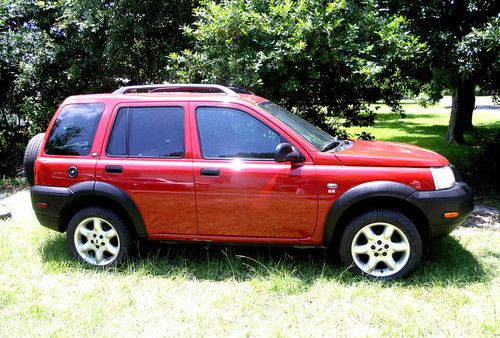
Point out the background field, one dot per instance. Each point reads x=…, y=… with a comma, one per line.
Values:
x=194, y=290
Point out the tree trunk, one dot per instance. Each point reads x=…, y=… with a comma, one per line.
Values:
x=462, y=107
x=470, y=103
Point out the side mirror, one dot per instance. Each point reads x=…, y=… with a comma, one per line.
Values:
x=284, y=153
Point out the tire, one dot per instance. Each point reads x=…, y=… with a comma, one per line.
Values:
x=392, y=249
x=98, y=237
x=30, y=154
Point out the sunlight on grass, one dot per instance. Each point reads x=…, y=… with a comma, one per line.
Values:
x=186, y=290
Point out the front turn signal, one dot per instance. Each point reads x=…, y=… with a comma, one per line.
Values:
x=451, y=214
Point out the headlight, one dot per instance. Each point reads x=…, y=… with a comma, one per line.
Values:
x=443, y=177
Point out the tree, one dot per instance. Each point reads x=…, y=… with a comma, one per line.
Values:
x=326, y=60
x=21, y=50
x=463, y=39
x=52, y=49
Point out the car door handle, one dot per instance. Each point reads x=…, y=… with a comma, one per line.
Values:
x=210, y=171
x=113, y=169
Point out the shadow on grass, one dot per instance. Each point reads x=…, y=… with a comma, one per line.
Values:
x=446, y=263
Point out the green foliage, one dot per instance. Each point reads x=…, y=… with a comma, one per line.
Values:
x=326, y=61
x=479, y=55
x=53, y=49
x=463, y=52
x=463, y=40
x=11, y=185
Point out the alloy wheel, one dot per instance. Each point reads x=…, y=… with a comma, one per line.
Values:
x=97, y=241
x=380, y=249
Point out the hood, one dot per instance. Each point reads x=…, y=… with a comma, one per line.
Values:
x=389, y=154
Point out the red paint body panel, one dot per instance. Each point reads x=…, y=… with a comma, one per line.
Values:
x=162, y=189
x=251, y=201
x=256, y=199
x=349, y=177
x=53, y=170
x=389, y=154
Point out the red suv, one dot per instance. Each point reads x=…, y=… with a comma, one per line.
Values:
x=214, y=164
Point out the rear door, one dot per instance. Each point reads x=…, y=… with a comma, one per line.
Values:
x=148, y=155
x=240, y=189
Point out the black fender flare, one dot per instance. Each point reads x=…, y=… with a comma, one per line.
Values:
x=113, y=193
x=357, y=194
x=125, y=201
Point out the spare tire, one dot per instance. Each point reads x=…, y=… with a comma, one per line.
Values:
x=30, y=155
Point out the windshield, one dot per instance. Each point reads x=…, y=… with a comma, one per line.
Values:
x=317, y=137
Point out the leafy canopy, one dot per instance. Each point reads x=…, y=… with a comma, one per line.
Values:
x=53, y=49
x=462, y=37
x=327, y=60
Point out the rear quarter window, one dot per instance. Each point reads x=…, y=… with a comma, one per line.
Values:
x=74, y=129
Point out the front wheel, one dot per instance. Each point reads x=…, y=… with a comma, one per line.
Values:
x=98, y=237
x=381, y=244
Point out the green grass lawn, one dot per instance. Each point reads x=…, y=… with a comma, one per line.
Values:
x=426, y=127
x=199, y=290
x=195, y=290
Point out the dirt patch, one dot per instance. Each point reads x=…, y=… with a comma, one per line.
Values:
x=483, y=217
x=17, y=204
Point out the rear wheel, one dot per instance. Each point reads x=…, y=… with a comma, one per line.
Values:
x=98, y=237
x=30, y=154
x=381, y=244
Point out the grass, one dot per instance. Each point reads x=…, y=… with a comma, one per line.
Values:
x=426, y=127
x=198, y=290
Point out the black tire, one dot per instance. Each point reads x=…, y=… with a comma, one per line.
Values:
x=30, y=154
x=83, y=220
x=379, y=248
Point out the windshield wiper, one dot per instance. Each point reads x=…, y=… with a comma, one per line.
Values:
x=332, y=145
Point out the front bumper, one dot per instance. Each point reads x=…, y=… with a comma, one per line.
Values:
x=434, y=204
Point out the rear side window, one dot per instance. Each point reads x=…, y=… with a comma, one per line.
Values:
x=74, y=129
x=232, y=133
x=148, y=132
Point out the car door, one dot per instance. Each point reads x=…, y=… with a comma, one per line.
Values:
x=148, y=156
x=240, y=189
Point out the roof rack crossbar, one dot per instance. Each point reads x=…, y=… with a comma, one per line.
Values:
x=176, y=87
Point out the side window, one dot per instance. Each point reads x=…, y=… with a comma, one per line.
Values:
x=118, y=141
x=148, y=132
x=232, y=133
x=74, y=129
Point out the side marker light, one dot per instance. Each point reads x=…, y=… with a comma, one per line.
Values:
x=451, y=214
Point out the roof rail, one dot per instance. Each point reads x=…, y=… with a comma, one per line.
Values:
x=241, y=90
x=179, y=87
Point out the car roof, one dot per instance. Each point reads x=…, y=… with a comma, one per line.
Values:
x=155, y=97
x=171, y=92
